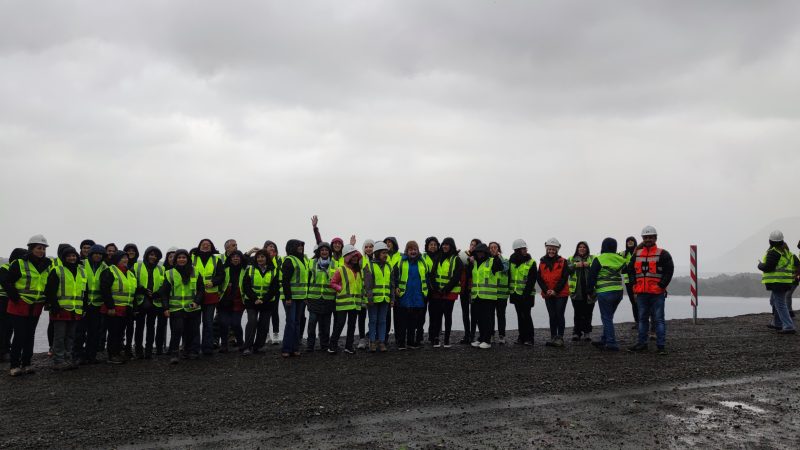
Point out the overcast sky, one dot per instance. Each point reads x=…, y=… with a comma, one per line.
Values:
x=165, y=122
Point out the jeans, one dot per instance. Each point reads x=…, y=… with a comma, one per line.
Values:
x=321, y=321
x=208, y=328
x=257, y=327
x=584, y=309
x=652, y=305
x=783, y=319
x=439, y=308
x=523, y=308
x=295, y=324
x=230, y=320
x=340, y=317
x=789, y=300
x=377, y=320
x=63, y=339
x=185, y=326
x=24, y=329
x=555, y=310
x=485, y=312
x=609, y=301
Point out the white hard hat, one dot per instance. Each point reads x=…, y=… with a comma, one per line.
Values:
x=172, y=249
x=38, y=239
x=518, y=244
x=380, y=246
x=552, y=242
x=776, y=236
x=649, y=231
x=348, y=249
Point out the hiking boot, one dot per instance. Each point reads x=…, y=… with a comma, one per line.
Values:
x=485, y=345
x=362, y=344
x=29, y=370
x=373, y=347
x=640, y=347
x=382, y=347
x=15, y=372
x=436, y=343
x=662, y=351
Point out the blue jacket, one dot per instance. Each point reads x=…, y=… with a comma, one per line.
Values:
x=413, y=297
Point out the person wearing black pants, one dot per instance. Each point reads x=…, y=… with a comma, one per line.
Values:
x=130, y=323
x=446, y=272
x=470, y=323
x=183, y=301
x=149, y=276
x=485, y=270
x=185, y=329
x=582, y=303
x=321, y=298
x=348, y=282
x=522, y=284
x=412, y=281
x=261, y=289
x=630, y=249
x=553, y=280
x=117, y=289
x=94, y=323
x=407, y=322
x=5, y=318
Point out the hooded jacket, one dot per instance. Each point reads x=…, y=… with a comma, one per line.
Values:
x=609, y=246
x=186, y=273
x=131, y=261
x=147, y=292
x=15, y=255
x=232, y=298
x=458, y=271
x=287, y=270
x=771, y=262
x=53, y=283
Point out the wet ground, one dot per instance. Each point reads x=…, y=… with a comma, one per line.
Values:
x=727, y=383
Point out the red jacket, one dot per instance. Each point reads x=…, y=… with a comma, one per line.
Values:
x=550, y=278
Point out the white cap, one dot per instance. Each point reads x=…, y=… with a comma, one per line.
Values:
x=518, y=244
x=649, y=231
x=38, y=239
x=776, y=236
x=552, y=242
x=380, y=246
x=348, y=249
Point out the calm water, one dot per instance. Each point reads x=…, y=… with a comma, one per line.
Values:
x=677, y=308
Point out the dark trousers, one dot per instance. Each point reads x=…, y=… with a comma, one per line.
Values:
x=295, y=325
x=524, y=319
x=583, y=315
x=116, y=333
x=184, y=326
x=634, y=306
x=485, y=311
x=230, y=320
x=23, y=329
x=5, y=327
x=276, y=319
x=555, y=309
x=50, y=333
x=94, y=322
x=388, y=325
x=79, y=341
x=419, y=332
x=257, y=328
x=340, y=318
x=464, y=299
x=501, y=317
x=407, y=325
x=130, y=330
x=438, y=309
x=151, y=325
x=362, y=322
x=323, y=322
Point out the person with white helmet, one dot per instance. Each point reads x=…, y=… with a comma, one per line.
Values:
x=522, y=284
x=780, y=270
x=553, y=279
x=348, y=282
x=379, y=295
x=24, y=284
x=651, y=272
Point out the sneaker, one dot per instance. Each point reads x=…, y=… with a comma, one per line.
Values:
x=662, y=351
x=276, y=340
x=362, y=344
x=331, y=351
x=641, y=347
x=349, y=351
x=485, y=345
x=246, y=352
x=269, y=339
x=382, y=347
x=436, y=343
x=29, y=370
x=15, y=372
x=373, y=347
x=413, y=345
x=559, y=342
x=401, y=347
x=501, y=340
x=446, y=343
x=476, y=344
x=174, y=360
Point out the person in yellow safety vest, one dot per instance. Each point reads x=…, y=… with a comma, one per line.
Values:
x=431, y=253
x=295, y=292
x=446, y=272
x=348, y=282
x=368, y=249
x=65, y=293
x=582, y=302
x=231, y=303
x=182, y=293
x=469, y=318
x=149, y=309
x=779, y=269
x=207, y=262
x=24, y=285
x=117, y=289
x=485, y=270
x=261, y=287
x=522, y=272
x=5, y=325
x=379, y=294
x=321, y=298
x=503, y=290
x=394, y=251
x=130, y=323
x=277, y=260
x=628, y=253
x=412, y=282
x=88, y=334
x=606, y=282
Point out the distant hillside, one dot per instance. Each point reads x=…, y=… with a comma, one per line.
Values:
x=739, y=285
x=744, y=256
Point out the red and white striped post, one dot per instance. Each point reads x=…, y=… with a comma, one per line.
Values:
x=693, y=273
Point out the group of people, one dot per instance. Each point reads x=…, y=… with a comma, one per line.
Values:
x=100, y=298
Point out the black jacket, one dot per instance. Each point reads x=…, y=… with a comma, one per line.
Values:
x=533, y=275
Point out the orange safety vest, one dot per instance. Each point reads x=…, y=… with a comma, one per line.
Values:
x=551, y=277
x=646, y=263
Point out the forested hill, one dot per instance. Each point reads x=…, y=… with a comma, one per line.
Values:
x=738, y=285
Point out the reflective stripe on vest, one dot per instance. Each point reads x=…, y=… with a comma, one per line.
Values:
x=70, y=288
x=573, y=277
x=627, y=257
x=124, y=286
x=261, y=282
x=502, y=279
x=401, y=284
x=320, y=285
x=182, y=295
x=784, y=271
x=351, y=295
x=143, y=279
x=4, y=267
x=227, y=280
x=30, y=284
x=484, y=283
x=206, y=270
x=609, y=279
x=394, y=260
x=93, y=281
x=444, y=274
x=519, y=277
x=382, y=285
x=299, y=281
x=646, y=267
x=278, y=263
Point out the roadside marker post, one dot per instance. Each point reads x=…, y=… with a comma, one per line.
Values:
x=693, y=286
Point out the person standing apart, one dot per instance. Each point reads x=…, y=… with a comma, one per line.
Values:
x=779, y=272
x=651, y=272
